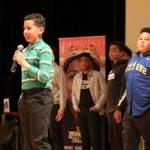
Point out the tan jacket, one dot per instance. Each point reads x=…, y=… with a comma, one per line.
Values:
x=97, y=89
x=59, y=87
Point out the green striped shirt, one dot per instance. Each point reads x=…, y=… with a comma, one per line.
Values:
x=41, y=70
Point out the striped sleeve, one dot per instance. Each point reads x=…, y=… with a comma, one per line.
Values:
x=122, y=98
x=45, y=71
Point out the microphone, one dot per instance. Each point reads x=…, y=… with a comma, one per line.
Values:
x=14, y=65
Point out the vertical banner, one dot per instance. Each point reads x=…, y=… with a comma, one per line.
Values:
x=69, y=50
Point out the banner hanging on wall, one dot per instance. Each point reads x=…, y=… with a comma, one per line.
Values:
x=69, y=50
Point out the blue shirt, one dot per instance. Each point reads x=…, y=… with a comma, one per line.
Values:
x=138, y=84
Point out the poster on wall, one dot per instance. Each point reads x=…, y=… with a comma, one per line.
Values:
x=69, y=50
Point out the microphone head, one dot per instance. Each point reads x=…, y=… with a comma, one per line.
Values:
x=20, y=47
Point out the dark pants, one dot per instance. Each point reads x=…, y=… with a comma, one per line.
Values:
x=115, y=133
x=56, y=138
x=143, y=125
x=90, y=127
x=34, y=110
x=131, y=135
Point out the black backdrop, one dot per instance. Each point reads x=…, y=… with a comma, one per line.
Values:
x=65, y=18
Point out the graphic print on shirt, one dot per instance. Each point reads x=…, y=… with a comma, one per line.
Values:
x=111, y=75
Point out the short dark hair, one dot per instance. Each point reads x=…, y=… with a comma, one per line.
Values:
x=145, y=29
x=122, y=47
x=128, y=51
x=38, y=19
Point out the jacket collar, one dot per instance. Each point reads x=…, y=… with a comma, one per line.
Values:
x=144, y=55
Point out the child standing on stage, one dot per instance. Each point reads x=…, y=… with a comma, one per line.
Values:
x=138, y=86
x=37, y=63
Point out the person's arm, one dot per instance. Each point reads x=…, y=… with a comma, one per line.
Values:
x=45, y=70
x=122, y=101
x=46, y=65
x=102, y=99
x=63, y=89
x=120, y=105
x=74, y=99
x=63, y=94
x=19, y=58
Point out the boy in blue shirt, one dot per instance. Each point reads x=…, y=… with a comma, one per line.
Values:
x=138, y=86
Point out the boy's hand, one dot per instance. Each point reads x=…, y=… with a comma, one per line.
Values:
x=95, y=109
x=117, y=116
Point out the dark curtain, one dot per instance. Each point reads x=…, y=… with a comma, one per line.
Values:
x=65, y=18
